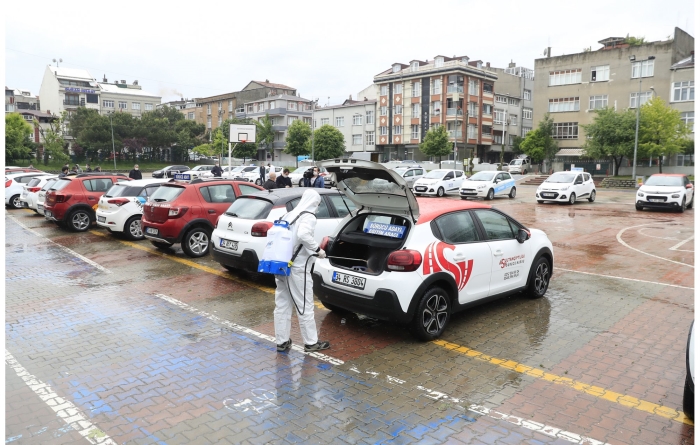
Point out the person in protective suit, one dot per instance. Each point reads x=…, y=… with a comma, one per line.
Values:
x=298, y=283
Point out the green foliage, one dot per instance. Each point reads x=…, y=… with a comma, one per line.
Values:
x=204, y=150
x=243, y=151
x=539, y=144
x=265, y=135
x=662, y=132
x=55, y=144
x=329, y=143
x=634, y=41
x=610, y=135
x=436, y=142
x=17, y=142
x=298, y=139
x=517, y=140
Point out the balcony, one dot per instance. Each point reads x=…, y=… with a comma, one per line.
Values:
x=455, y=89
x=454, y=133
x=455, y=112
x=71, y=103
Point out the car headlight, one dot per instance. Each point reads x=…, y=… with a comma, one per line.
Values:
x=564, y=188
x=675, y=195
x=481, y=187
x=640, y=194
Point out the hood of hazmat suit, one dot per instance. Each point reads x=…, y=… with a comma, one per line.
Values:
x=304, y=227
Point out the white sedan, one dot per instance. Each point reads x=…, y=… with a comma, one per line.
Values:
x=120, y=208
x=487, y=185
x=438, y=182
x=566, y=187
x=200, y=171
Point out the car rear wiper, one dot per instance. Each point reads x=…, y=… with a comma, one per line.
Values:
x=232, y=214
x=159, y=200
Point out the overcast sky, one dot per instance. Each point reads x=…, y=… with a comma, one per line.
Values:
x=323, y=49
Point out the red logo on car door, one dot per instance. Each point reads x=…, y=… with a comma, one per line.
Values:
x=435, y=261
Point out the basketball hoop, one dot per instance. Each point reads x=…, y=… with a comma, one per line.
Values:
x=242, y=141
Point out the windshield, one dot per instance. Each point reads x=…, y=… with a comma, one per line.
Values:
x=516, y=162
x=672, y=181
x=249, y=208
x=123, y=190
x=166, y=193
x=561, y=177
x=249, y=169
x=482, y=176
x=436, y=174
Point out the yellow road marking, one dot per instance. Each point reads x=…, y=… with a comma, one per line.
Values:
x=596, y=391
x=220, y=273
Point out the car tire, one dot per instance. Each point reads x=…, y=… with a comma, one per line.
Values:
x=132, y=228
x=539, y=201
x=638, y=207
x=489, y=195
x=689, y=398
x=195, y=244
x=163, y=245
x=689, y=206
x=572, y=198
x=539, y=278
x=258, y=182
x=592, y=197
x=682, y=207
x=15, y=202
x=511, y=195
x=79, y=220
x=301, y=183
x=524, y=172
x=432, y=314
x=440, y=192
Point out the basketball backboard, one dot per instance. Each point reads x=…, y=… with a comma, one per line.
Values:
x=242, y=133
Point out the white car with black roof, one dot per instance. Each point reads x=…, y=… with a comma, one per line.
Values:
x=119, y=210
x=438, y=182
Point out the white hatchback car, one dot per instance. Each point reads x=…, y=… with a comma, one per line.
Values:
x=410, y=174
x=200, y=171
x=14, y=185
x=566, y=187
x=119, y=210
x=252, y=174
x=666, y=191
x=41, y=195
x=29, y=195
x=394, y=260
x=438, y=182
x=487, y=185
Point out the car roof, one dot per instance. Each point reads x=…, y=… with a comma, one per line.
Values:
x=669, y=174
x=431, y=208
x=142, y=182
x=287, y=194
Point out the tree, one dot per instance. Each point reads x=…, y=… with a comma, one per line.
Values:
x=610, y=135
x=539, y=143
x=298, y=139
x=436, y=142
x=662, y=132
x=247, y=150
x=204, y=150
x=517, y=140
x=17, y=133
x=329, y=143
x=265, y=134
x=55, y=145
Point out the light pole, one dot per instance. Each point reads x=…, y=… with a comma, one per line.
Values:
x=634, y=60
x=503, y=136
x=313, y=122
x=114, y=155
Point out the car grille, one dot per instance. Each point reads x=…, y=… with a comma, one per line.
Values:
x=657, y=198
x=549, y=195
x=467, y=192
x=420, y=188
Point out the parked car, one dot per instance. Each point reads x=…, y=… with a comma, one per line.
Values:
x=232, y=173
x=71, y=201
x=666, y=191
x=297, y=176
x=119, y=210
x=438, y=182
x=566, y=187
x=200, y=171
x=19, y=170
x=520, y=165
x=252, y=174
x=410, y=174
x=186, y=212
x=487, y=185
x=241, y=232
x=419, y=261
x=29, y=195
x=41, y=195
x=169, y=171
x=14, y=185
x=689, y=387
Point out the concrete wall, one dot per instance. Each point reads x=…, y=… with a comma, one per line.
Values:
x=48, y=92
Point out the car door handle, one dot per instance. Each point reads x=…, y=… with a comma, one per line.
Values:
x=459, y=257
x=91, y=198
x=498, y=252
x=211, y=211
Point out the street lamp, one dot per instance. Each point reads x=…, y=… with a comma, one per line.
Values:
x=634, y=60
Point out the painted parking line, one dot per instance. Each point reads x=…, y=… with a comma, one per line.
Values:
x=623, y=278
x=619, y=239
x=63, y=408
x=596, y=391
x=677, y=246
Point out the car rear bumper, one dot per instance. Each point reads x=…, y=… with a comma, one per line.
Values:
x=247, y=260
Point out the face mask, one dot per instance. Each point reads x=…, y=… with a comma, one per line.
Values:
x=136, y=168
x=315, y=173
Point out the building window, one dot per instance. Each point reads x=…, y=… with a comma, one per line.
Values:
x=92, y=98
x=220, y=119
x=398, y=88
x=396, y=68
x=645, y=67
x=643, y=98
x=383, y=90
x=527, y=94
x=512, y=101
x=135, y=105
x=383, y=131
x=488, y=88
x=416, y=88
x=397, y=130
x=689, y=118
x=383, y=111
x=414, y=66
x=486, y=130
x=437, y=86
x=230, y=106
x=149, y=107
x=325, y=121
x=415, y=131
x=370, y=117
x=208, y=121
x=683, y=91
x=356, y=139
x=249, y=108
x=208, y=108
x=190, y=116
x=501, y=99
x=564, y=77
x=685, y=160
x=472, y=109
x=439, y=62
x=339, y=121
x=122, y=105
x=499, y=116
x=511, y=139
x=415, y=111
x=436, y=107
x=565, y=130
x=474, y=87
x=221, y=104
x=108, y=103
x=370, y=137
x=563, y=104
x=600, y=73
x=357, y=119
x=291, y=119
x=261, y=106
x=398, y=109
x=471, y=131
x=514, y=119
x=525, y=131
x=488, y=109
x=527, y=113
x=498, y=138
x=597, y=102
x=291, y=105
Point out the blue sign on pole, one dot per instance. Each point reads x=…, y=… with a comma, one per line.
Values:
x=302, y=158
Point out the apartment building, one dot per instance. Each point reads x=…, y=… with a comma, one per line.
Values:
x=120, y=97
x=16, y=100
x=355, y=119
x=213, y=110
x=419, y=95
x=283, y=109
x=572, y=86
x=66, y=89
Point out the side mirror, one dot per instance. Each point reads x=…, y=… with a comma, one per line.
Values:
x=497, y=181
x=523, y=235
x=689, y=186
x=578, y=182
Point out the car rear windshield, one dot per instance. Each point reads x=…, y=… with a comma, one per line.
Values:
x=249, y=169
x=561, y=177
x=60, y=184
x=660, y=181
x=33, y=182
x=166, y=193
x=249, y=208
x=516, y=162
x=118, y=190
x=48, y=184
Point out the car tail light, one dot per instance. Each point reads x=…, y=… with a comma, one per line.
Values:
x=261, y=228
x=63, y=198
x=8, y=183
x=177, y=212
x=33, y=189
x=404, y=260
x=324, y=243
x=118, y=201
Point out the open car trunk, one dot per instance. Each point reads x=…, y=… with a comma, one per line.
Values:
x=366, y=241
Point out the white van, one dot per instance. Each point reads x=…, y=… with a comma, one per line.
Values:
x=520, y=166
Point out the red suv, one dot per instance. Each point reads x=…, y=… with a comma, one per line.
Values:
x=186, y=213
x=71, y=201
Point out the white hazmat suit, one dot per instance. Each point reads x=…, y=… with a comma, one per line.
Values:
x=302, y=233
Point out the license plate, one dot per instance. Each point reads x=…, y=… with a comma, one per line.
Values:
x=101, y=219
x=421, y=189
x=151, y=231
x=349, y=280
x=40, y=207
x=48, y=213
x=655, y=200
x=548, y=195
x=228, y=244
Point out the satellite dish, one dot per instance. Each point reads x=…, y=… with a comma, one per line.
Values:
x=545, y=52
